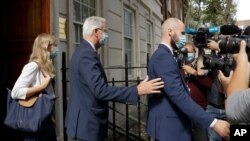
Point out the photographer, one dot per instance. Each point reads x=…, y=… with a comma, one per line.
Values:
x=216, y=99
x=236, y=88
x=197, y=84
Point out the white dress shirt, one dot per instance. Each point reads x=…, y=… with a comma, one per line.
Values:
x=31, y=76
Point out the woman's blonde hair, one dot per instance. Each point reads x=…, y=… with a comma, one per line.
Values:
x=41, y=55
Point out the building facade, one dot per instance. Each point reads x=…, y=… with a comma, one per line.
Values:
x=243, y=23
x=134, y=29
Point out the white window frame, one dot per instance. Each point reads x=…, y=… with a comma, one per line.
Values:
x=131, y=37
x=149, y=38
x=91, y=11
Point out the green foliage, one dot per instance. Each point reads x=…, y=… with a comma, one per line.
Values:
x=212, y=12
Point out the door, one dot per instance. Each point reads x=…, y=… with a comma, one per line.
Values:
x=21, y=22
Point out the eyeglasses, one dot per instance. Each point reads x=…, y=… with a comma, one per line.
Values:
x=53, y=45
x=104, y=30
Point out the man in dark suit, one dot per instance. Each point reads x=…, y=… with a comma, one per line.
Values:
x=171, y=112
x=87, y=113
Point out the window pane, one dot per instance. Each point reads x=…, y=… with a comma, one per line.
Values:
x=85, y=1
x=148, y=28
x=126, y=30
x=77, y=33
x=149, y=37
x=80, y=33
x=126, y=17
x=149, y=48
x=92, y=3
x=82, y=10
x=130, y=31
x=128, y=24
x=129, y=53
x=77, y=11
x=128, y=38
x=85, y=12
x=92, y=12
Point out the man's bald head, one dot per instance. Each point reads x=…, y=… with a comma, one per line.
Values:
x=173, y=30
x=172, y=23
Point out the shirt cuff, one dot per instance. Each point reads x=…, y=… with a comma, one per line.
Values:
x=213, y=123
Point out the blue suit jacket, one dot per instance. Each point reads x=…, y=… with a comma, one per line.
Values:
x=87, y=113
x=171, y=112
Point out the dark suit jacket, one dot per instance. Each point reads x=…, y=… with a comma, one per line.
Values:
x=87, y=113
x=171, y=112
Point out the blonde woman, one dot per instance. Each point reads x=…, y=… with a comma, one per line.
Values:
x=35, y=78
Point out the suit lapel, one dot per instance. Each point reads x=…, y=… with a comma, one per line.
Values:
x=101, y=68
x=168, y=51
x=97, y=59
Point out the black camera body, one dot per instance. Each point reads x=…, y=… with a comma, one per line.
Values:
x=180, y=56
x=231, y=44
x=225, y=62
x=201, y=36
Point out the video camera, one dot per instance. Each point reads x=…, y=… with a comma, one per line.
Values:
x=228, y=44
x=225, y=62
x=231, y=42
x=181, y=56
x=201, y=36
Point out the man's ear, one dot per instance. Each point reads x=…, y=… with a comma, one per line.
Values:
x=170, y=31
x=95, y=32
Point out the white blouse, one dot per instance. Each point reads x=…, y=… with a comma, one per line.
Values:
x=30, y=76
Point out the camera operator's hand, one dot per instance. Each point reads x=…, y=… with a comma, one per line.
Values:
x=200, y=64
x=213, y=45
x=189, y=69
x=224, y=81
x=241, y=57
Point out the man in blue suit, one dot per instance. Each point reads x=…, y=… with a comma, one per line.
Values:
x=171, y=112
x=87, y=113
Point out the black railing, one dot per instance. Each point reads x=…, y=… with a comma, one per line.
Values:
x=116, y=129
x=64, y=70
x=126, y=81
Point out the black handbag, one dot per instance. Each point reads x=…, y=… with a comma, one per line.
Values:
x=29, y=119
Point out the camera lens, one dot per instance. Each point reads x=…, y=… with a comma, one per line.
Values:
x=229, y=45
x=224, y=63
x=213, y=62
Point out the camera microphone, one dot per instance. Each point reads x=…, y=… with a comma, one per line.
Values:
x=210, y=30
x=230, y=29
x=191, y=31
x=213, y=29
